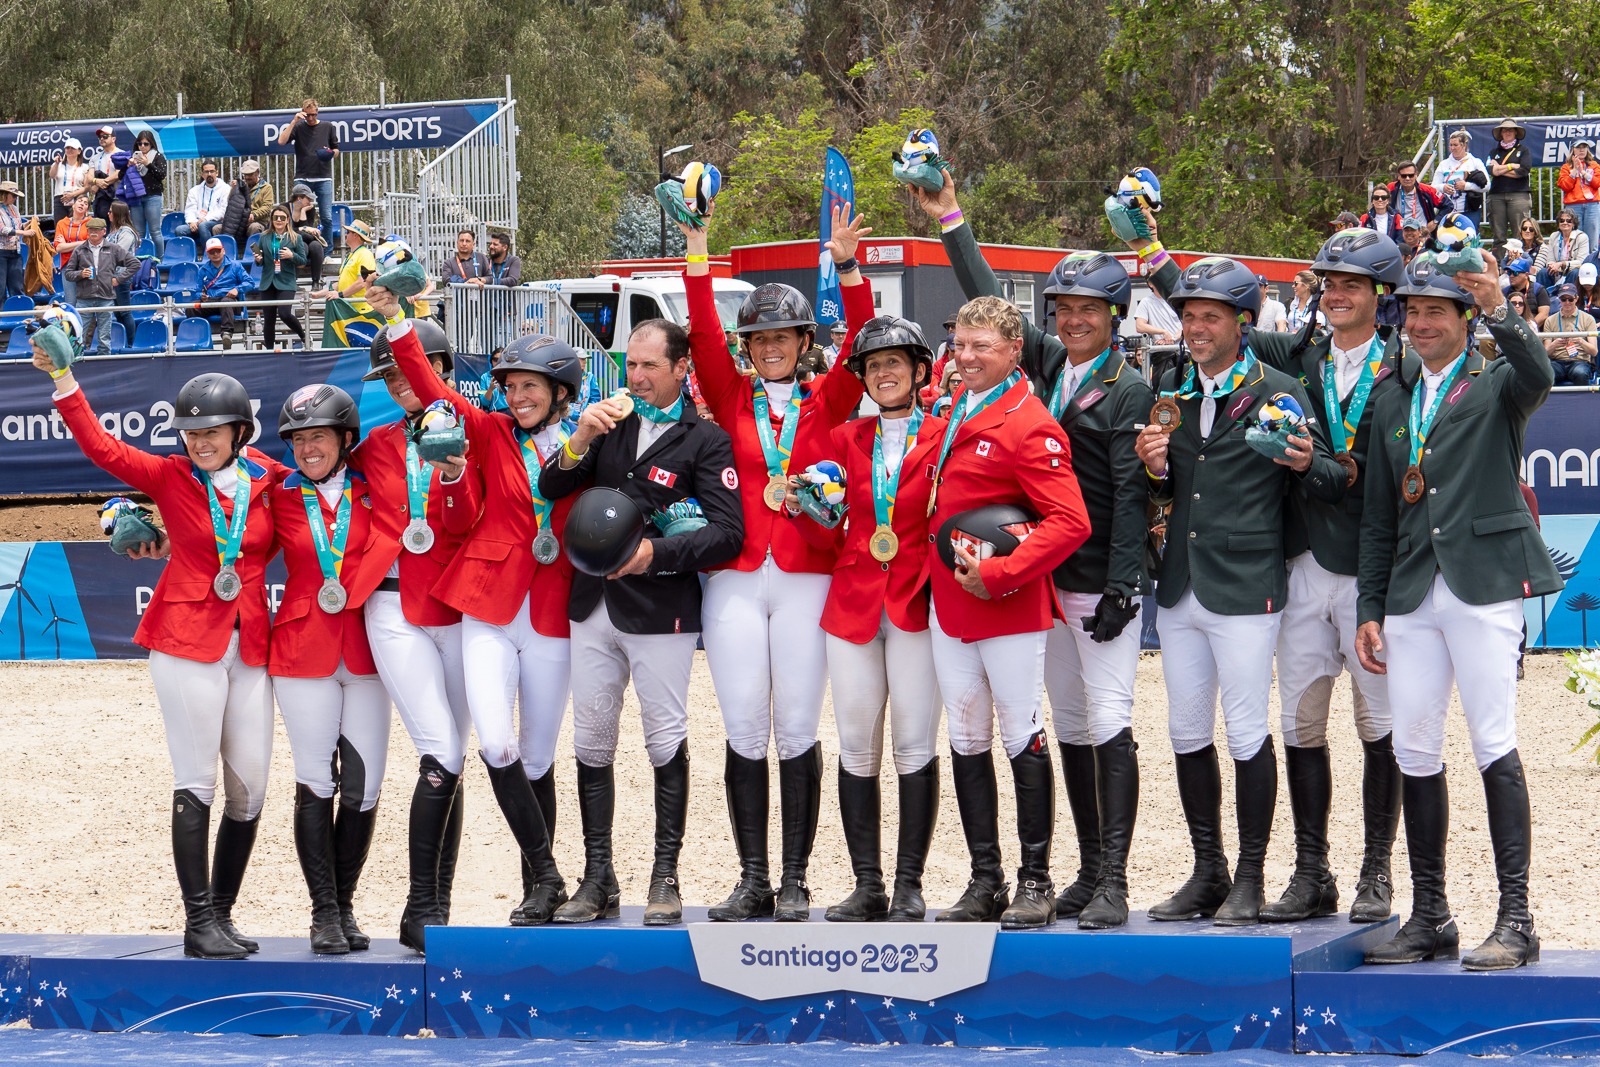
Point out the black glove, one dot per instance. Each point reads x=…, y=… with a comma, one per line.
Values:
x=1111, y=616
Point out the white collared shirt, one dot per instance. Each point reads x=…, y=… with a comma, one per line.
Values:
x=332, y=489
x=649, y=433
x=974, y=397
x=895, y=429
x=1208, y=406
x=1347, y=364
x=778, y=395
x=1432, y=381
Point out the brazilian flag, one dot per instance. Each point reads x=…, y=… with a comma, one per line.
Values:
x=345, y=327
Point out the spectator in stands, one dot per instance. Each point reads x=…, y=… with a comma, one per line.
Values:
x=1305, y=286
x=1461, y=177
x=223, y=281
x=10, y=242
x=119, y=232
x=490, y=395
x=836, y=335
x=98, y=267
x=1571, y=358
x=1518, y=302
x=466, y=264
x=151, y=166
x=1519, y=273
x=1156, y=319
x=71, y=232
x=250, y=203
x=316, y=146
x=504, y=268
x=1274, y=316
x=69, y=178
x=1560, y=253
x=1379, y=215
x=279, y=250
x=1417, y=204
x=1530, y=236
x=1580, y=189
x=1345, y=220
x=205, y=206
x=358, y=240
x=1588, y=297
x=1410, y=242
x=1508, y=199
x=106, y=173
x=304, y=219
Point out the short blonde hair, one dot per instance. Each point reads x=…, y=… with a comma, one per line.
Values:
x=310, y=101
x=992, y=313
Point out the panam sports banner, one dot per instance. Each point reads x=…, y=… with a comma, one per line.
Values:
x=1548, y=141
x=251, y=133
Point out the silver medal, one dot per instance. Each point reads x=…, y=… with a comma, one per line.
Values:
x=227, y=584
x=545, y=547
x=418, y=537
x=331, y=597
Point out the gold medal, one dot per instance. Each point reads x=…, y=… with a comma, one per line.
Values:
x=1347, y=461
x=884, y=544
x=1411, y=485
x=1166, y=414
x=777, y=489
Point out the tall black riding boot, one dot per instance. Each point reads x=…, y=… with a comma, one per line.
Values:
x=203, y=936
x=598, y=896
x=1255, y=787
x=431, y=803
x=1200, y=792
x=919, y=812
x=1034, y=904
x=1078, y=774
x=1311, y=891
x=313, y=843
x=1430, y=933
x=745, y=781
x=861, y=809
x=1513, y=943
x=800, y=797
x=1117, y=779
x=1380, y=808
x=547, y=891
x=544, y=792
x=450, y=850
x=236, y=839
x=664, y=905
x=352, y=840
x=978, y=798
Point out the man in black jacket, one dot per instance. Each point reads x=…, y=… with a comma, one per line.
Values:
x=643, y=619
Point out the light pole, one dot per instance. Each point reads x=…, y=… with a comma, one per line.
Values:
x=661, y=176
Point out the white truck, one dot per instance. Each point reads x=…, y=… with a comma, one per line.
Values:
x=611, y=304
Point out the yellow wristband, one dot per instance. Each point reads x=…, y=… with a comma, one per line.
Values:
x=1151, y=249
x=566, y=447
x=57, y=375
x=696, y=259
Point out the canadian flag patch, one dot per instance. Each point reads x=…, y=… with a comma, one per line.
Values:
x=983, y=448
x=661, y=477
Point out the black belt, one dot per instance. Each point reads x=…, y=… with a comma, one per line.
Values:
x=389, y=585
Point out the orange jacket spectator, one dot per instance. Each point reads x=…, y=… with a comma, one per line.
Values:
x=1580, y=177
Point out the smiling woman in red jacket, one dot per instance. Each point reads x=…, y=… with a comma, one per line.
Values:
x=334, y=706
x=885, y=658
x=206, y=629
x=515, y=636
x=763, y=644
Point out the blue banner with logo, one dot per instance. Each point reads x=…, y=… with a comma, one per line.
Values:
x=1548, y=141
x=253, y=133
x=838, y=188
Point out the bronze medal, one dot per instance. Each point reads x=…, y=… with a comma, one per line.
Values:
x=884, y=544
x=1166, y=414
x=1348, y=462
x=777, y=489
x=1411, y=484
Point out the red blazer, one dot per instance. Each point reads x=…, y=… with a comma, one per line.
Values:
x=307, y=642
x=859, y=581
x=185, y=617
x=495, y=568
x=1011, y=452
x=452, y=510
x=728, y=394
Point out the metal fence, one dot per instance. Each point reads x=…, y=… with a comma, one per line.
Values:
x=482, y=319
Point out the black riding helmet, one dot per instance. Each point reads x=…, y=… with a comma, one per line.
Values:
x=888, y=331
x=542, y=354
x=1092, y=274
x=211, y=400
x=602, y=530
x=311, y=406
x=1425, y=279
x=1218, y=278
x=774, y=306
x=1364, y=252
x=434, y=343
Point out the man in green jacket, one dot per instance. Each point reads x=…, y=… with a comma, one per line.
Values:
x=1448, y=552
x=1222, y=584
x=1092, y=655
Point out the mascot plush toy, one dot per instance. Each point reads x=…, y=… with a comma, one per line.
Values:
x=822, y=492
x=439, y=434
x=690, y=197
x=684, y=516
x=399, y=270
x=1138, y=189
x=58, y=333
x=1268, y=433
x=1455, y=245
x=918, y=162
x=128, y=525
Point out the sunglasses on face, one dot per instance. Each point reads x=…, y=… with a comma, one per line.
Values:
x=1380, y=200
x=1569, y=300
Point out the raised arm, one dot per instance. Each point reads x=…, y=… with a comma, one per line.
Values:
x=137, y=468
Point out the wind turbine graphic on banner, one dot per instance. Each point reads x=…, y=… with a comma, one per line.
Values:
x=54, y=625
x=16, y=586
x=838, y=187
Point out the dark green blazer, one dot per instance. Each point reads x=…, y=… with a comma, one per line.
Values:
x=1471, y=525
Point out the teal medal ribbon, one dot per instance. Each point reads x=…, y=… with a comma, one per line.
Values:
x=1058, y=396
x=649, y=411
x=773, y=448
x=332, y=597
x=959, y=414
x=885, y=543
x=229, y=534
x=1350, y=417
x=418, y=537
x=1191, y=382
x=1412, y=483
x=545, y=546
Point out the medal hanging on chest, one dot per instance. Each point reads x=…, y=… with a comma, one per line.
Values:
x=332, y=597
x=546, y=546
x=229, y=533
x=1420, y=424
x=1349, y=417
x=966, y=411
x=884, y=544
x=418, y=537
x=774, y=449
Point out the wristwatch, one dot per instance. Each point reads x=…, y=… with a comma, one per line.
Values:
x=1498, y=315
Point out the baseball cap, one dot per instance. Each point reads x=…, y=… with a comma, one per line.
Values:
x=249, y=166
x=1519, y=265
x=72, y=142
x=1588, y=274
x=102, y=131
x=1586, y=142
x=215, y=242
x=1261, y=279
x=1567, y=290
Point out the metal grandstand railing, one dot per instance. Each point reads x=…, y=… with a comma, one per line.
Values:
x=482, y=319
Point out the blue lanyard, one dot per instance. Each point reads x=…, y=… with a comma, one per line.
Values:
x=776, y=451
x=330, y=557
x=884, y=486
x=1058, y=395
x=1350, y=417
x=1420, y=423
x=419, y=480
x=534, y=463
x=230, y=535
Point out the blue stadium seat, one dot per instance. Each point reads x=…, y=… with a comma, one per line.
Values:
x=146, y=299
x=183, y=277
x=16, y=309
x=343, y=214
x=19, y=345
x=179, y=250
x=170, y=223
x=230, y=247
x=194, y=335
x=250, y=248
x=119, y=338
x=149, y=336
x=146, y=249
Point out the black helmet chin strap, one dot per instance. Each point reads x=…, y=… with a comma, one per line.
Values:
x=889, y=410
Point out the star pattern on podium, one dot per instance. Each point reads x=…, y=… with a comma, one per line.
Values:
x=466, y=996
x=61, y=990
x=392, y=992
x=376, y=1012
x=1328, y=1016
x=1301, y=1029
